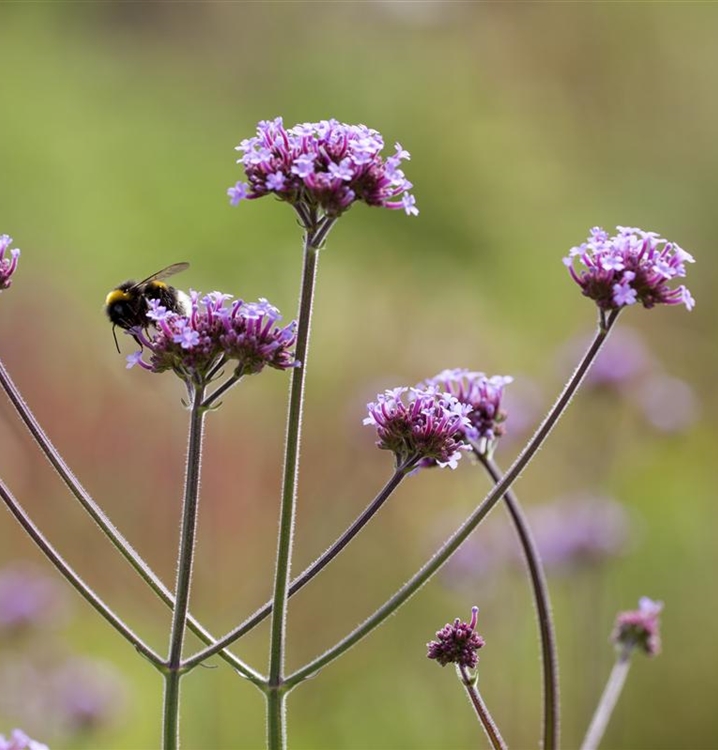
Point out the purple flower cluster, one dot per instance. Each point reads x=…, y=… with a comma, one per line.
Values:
x=634, y=266
x=215, y=331
x=420, y=424
x=457, y=643
x=483, y=394
x=7, y=265
x=18, y=740
x=639, y=628
x=326, y=164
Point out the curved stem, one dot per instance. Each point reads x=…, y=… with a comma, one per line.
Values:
x=319, y=564
x=611, y=694
x=100, y=518
x=549, y=654
x=185, y=561
x=461, y=534
x=73, y=578
x=485, y=718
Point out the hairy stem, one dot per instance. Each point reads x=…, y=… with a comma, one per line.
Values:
x=314, y=236
x=185, y=561
x=318, y=565
x=549, y=654
x=485, y=718
x=73, y=578
x=100, y=518
x=462, y=533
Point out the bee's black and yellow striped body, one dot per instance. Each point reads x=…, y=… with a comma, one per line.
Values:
x=126, y=305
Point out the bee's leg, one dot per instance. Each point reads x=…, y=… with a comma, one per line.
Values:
x=114, y=335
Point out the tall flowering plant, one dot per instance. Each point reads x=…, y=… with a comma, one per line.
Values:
x=321, y=170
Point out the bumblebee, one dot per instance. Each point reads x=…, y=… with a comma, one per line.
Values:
x=126, y=305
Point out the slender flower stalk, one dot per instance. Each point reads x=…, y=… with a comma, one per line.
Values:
x=539, y=587
x=173, y=665
x=317, y=566
x=485, y=719
x=486, y=425
x=73, y=578
x=636, y=629
x=120, y=543
x=276, y=728
x=609, y=699
x=457, y=643
x=606, y=322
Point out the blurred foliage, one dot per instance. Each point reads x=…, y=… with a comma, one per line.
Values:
x=527, y=124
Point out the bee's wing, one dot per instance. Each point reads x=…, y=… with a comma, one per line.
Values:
x=163, y=274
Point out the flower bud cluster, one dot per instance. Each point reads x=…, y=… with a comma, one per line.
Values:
x=420, y=423
x=634, y=266
x=215, y=331
x=327, y=165
x=483, y=394
x=7, y=265
x=457, y=643
x=639, y=628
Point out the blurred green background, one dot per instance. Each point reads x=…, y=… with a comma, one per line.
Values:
x=527, y=124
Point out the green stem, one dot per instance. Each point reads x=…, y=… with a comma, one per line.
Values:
x=276, y=719
x=185, y=560
x=539, y=586
x=462, y=533
x=221, y=390
x=319, y=564
x=485, y=718
x=73, y=578
x=98, y=516
x=276, y=732
x=611, y=694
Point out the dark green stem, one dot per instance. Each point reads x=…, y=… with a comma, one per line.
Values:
x=462, y=533
x=549, y=654
x=319, y=564
x=185, y=560
x=314, y=236
x=98, y=516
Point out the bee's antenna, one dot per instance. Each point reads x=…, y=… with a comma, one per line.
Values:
x=114, y=335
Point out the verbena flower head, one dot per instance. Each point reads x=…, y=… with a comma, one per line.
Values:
x=420, y=423
x=7, y=264
x=215, y=331
x=18, y=740
x=639, y=628
x=457, y=643
x=483, y=394
x=327, y=165
x=634, y=266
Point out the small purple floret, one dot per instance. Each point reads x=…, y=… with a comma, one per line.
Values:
x=639, y=628
x=325, y=165
x=483, y=394
x=420, y=424
x=7, y=265
x=457, y=643
x=18, y=740
x=216, y=330
x=634, y=266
